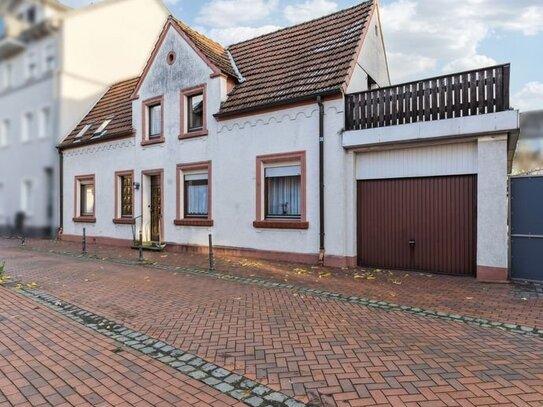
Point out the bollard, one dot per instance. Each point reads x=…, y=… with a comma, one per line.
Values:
x=23, y=241
x=211, y=265
x=140, y=249
x=84, y=242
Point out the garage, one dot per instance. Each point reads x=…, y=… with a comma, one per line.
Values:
x=419, y=223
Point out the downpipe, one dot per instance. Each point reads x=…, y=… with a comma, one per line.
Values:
x=321, y=180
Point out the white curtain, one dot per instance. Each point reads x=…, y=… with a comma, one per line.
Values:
x=155, y=113
x=196, y=194
x=284, y=196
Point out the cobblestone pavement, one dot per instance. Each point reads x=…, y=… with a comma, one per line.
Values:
x=47, y=360
x=520, y=304
x=324, y=351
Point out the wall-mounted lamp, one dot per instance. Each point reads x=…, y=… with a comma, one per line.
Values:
x=136, y=185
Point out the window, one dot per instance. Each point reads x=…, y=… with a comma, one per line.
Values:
x=82, y=132
x=26, y=196
x=28, y=121
x=280, y=188
x=32, y=66
x=193, y=113
x=7, y=76
x=2, y=201
x=283, y=192
x=100, y=131
x=50, y=58
x=194, y=194
x=31, y=15
x=5, y=126
x=152, y=121
x=155, y=121
x=84, y=199
x=44, y=123
x=124, y=197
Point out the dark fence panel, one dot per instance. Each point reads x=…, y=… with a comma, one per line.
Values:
x=527, y=228
x=444, y=97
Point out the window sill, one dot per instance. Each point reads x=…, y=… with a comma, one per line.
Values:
x=153, y=141
x=193, y=134
x=280, y=224
x=193, y=222
x=84, y=219
x=124, y=221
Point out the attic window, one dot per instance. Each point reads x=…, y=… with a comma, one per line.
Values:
x=100, y=131
x=376, y=30
x=82, y=133
x=170, y=59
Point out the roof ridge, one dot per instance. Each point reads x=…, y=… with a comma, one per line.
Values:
x=188, y=28
x=345, y=10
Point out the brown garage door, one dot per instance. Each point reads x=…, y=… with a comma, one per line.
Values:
x=425, y=224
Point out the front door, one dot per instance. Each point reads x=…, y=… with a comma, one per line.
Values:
x=156, y=211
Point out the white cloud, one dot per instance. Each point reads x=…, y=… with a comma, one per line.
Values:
x=450, y=32
x=405, y=66
x=78, y=3
x=231, y=13
x=530, y=97
x=467, y=63
x=308, y=10
x=232, y=35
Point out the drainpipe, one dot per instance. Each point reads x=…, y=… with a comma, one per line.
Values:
x=61, y=187
x=321, y=178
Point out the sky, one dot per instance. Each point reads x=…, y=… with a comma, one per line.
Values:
x=422, y=37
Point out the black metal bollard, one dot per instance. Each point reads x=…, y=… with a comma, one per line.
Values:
x=211, y=262
x=84, y=242
x=140, y=249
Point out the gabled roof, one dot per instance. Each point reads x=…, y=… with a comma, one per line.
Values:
x=116, y=104
x=213, y=51
x=316, y=57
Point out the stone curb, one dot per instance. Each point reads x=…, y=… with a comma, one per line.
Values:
x=382, y=305
x=225, y=381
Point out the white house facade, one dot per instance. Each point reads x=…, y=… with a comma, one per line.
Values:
x=54, y=65
x=262, y=145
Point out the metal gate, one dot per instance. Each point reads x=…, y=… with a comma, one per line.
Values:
x=527, y=228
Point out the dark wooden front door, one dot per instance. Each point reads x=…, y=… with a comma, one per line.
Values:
x=156, y=211
x=425, y=224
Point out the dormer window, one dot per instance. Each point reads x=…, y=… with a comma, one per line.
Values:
x=82, y=133
x=100, y=131
x=193, y=112
x=152, y=125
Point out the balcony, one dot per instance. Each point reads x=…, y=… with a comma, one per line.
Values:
x=470, y=102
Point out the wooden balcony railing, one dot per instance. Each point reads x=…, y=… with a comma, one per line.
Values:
x=461, y=94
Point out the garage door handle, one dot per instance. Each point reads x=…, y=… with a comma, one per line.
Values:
x=412, y=242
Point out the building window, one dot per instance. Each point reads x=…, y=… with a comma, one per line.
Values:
x=124, y=197
x=7, y=76
x=28, y=121
x=50, y=58
x=5, y=126
x=27, y=197
x=194, y=194
x=44, y=129
x=31, y=15
x=32, y=66
x=84, y=199
x=280, y=188
x=2, y=201
x=153, y=121
x=282, y=191
x=193, y=112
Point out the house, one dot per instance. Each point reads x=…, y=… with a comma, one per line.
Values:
x=55, y=62
x=294, y=146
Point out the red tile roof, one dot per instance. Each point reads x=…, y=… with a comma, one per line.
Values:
x=300, y=61
x=116, y=105
x=212, y=50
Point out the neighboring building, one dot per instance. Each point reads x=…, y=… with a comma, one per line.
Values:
x=55, y=63
x=293, y=146
x=529, y=154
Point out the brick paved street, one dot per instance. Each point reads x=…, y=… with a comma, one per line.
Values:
x=321, y=350
x=47, y=360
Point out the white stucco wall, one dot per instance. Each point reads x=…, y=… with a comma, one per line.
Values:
x=492, y=247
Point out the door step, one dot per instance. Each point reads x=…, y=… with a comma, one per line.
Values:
x=151, y=246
